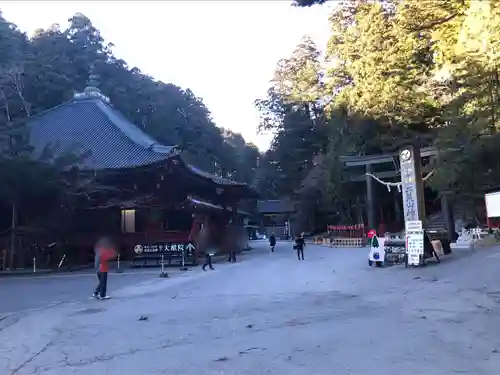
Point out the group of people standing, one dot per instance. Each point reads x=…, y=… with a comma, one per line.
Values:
x=299, y=245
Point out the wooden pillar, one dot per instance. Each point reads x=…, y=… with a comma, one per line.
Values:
x=234, y=213
x=449, y=220
x=370, y=199
x=398, y=215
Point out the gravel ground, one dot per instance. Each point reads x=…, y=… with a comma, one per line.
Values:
x=273, y=314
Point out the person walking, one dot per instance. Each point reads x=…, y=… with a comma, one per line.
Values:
x=232, y=256
x=232, y=241
x=96, y=267
x=104, y=252
x=272, y=242
x=208, y=259
x=204, y=244
x=300, y=243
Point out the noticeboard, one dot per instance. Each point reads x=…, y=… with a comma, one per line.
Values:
x=415, y=247
x=492, y=202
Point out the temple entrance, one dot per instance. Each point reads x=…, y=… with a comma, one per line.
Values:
x=383, y=198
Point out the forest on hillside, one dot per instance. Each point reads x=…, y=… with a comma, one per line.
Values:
x=40, y=71
x=394, y=72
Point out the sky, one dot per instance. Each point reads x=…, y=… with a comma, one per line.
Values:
x=224, y=51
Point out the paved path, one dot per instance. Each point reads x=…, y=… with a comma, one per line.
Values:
x=273, y=314
x=34, y=292
x=27, y=292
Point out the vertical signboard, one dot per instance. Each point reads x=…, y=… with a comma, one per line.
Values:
x=413, y=204
x=286, y=229
x=411, y=184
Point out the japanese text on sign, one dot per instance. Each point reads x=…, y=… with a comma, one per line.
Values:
x=414, y=246
x=410, y=203
x=413, y=226
x=409, y=186
x=164, y=248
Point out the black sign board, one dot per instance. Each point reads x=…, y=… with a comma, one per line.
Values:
x=165, y=248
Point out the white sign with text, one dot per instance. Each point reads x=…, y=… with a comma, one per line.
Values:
x=415, y=247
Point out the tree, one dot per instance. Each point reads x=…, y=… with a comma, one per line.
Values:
x=244, y=157
x=25, y=177
x=308, y=3
x=377, y=69
x=266, y=176
x=396, y=73
x=421, y=69
x=56, y=62
x=41, y=72
x=293, y=111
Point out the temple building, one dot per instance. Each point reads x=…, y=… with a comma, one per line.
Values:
x=277, y=217
x=145, y=191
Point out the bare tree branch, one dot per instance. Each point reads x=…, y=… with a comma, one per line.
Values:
x=13, y=75
x=7, y=108
x=434, y=23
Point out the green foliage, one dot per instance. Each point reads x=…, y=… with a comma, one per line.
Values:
x=55, y=63
x=293, y=112
x=45, y=70
x=424, y=72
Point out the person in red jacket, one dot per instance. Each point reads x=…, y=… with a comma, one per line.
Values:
x=104, y=251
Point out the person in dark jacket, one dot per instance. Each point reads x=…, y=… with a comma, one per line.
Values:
x=204, y=244
x=272, y=242
x=300, y=243
x=209, y=253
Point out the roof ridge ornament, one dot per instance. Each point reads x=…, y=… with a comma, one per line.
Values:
x=92, y=90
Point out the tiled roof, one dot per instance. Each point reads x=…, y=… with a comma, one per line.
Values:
x=90, y=126
x=94, y=127
x=217, y=180
x=201, y=202
x=275, y=206
x=239, y=190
